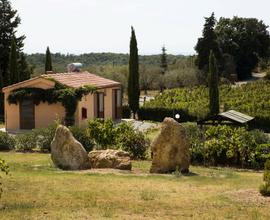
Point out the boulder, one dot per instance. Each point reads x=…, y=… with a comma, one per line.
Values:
x=170, y=149
x=114, y=159
x=66, y=152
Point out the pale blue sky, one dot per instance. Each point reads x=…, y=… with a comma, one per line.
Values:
x=84, y=26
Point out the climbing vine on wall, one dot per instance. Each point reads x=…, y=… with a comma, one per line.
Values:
x=69, y=97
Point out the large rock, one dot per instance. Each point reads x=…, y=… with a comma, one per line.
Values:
x=170, y=148
x=110, y=159
x=66, y=152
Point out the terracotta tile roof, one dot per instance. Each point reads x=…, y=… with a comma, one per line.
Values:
x=79, y=79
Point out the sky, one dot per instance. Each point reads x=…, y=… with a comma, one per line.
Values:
x=85, y=26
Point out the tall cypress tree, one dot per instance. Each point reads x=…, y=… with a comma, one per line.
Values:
x=48, y=61
x=213, y=85
x=13, y=64
x=133, y=77
x=164, y=68
x=24, y=69
x=207, y=43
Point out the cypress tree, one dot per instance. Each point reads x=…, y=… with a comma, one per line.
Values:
x=48, y=61
x=133, y=77
x=13, y=64
x=24, y=70
x=164, y=67
x=213, y=85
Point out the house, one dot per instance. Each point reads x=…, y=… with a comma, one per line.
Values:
x=105, y=102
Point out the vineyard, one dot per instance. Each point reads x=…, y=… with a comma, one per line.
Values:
x=252, y=99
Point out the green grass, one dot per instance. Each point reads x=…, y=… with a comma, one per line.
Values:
x=35, y=189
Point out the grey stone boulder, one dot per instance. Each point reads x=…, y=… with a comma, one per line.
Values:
x=114, y=159
x=66, y=152
x=170, y=149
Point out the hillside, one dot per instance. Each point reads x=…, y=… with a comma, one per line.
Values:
x=60, y=61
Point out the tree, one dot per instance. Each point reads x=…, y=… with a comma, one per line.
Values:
x=24, y=69
x=13, y=64
x=48, y=61
x=164, y=67
x=133, y=77
x=9, y=21
x=246, y=40
x=213, y=85
x=207, y=43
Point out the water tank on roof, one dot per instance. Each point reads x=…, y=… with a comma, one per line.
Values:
x=74, y=67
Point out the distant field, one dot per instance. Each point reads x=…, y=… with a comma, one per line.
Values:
x=37, y=190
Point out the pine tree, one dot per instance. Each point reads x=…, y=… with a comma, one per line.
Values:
x=13, y=64
x=24, y=69
x=133, y=77
x=213, y=85
x=48, y=61
x=207, y=43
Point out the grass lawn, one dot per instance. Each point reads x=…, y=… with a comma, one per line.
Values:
x=36, y=190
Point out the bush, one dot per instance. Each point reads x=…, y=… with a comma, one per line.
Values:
x=122, y=136
x=26, y=141
x=158, y=114
x=7, y=142
x=81, y=135
x=5, y=169
x=131, y=141
x=265, y=187
x=102, y=132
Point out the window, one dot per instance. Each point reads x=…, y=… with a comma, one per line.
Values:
x=99, y=105
x=117, y=105
x=84, y=113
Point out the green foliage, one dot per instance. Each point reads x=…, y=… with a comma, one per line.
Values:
x=267, y=76
x=131, y=141
x=25, y=70
x=13, y=64
x=207, y=43
x=7, y=142
x=213, y=85
x=224, y=145
x=246, y=40
x=103, y=132
x=133, y=77
x=81, y=135
x=265, y=187
x=48, y=61
x=69, y=97
x=126, y=112
x=26, y=141
x=122, y=136
x=5, y=169
x=252, y=99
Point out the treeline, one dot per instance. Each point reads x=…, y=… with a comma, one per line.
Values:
x=88, y=60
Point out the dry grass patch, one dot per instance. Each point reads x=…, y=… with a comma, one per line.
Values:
x=37, y=190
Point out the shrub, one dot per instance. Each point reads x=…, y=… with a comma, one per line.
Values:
x=7, y=142
x=81, y=135
x=26, y=141
x=5, y=169
x=102, y=132
x=265, y=187
x=131, y=141
x=44, y=137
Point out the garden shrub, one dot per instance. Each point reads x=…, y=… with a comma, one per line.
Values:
x=122, y=136
x=5, y=169
x=81, y=135
x=26, y=141
x=7, y=142
x=265, y=187
x=102, y=132
x=131, y=141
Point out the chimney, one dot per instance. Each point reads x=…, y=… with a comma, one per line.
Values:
x=74, y=67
